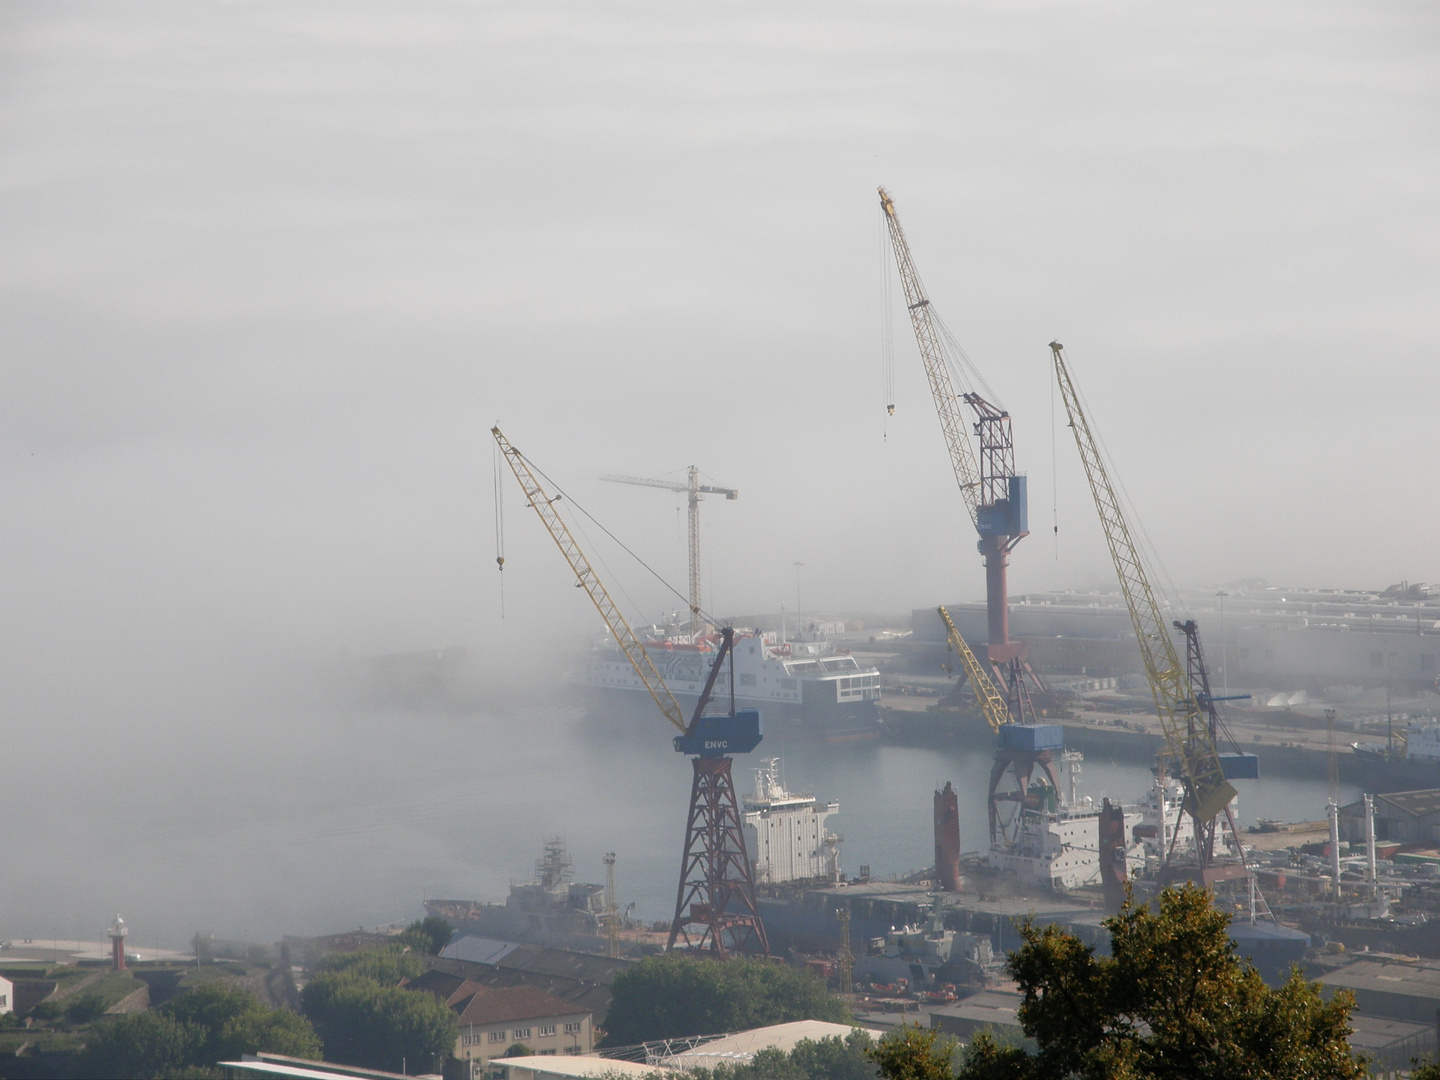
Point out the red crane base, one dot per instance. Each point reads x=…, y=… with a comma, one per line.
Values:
x=715, y=908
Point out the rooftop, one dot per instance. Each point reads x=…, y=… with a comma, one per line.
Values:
x=1409, y=978
x=501, y=1005
x=535, y=1067
x=742, y=1046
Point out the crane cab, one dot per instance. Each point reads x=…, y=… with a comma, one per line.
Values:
x=721, y=736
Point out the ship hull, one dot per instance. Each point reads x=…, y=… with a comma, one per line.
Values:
x=1382, y=772
x=858, y=721
x=801, y=689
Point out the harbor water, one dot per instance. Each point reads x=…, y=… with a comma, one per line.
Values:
x=308, y=821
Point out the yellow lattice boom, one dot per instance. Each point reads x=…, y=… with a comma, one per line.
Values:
x=986, y=696
x=1188, y=740
x=585, y=576
x=942, y=388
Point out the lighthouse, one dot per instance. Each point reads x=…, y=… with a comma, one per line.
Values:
x=117, y=932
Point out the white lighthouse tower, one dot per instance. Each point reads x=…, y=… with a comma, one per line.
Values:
x=118, y=931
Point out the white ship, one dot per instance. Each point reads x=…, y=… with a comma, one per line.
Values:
x=786, y=834
x=805, y=687
x=1058, y=847
x=1057, y=844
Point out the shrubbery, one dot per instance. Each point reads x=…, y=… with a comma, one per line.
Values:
x=192, y=1032
x=359, y=1008
x=673, y=995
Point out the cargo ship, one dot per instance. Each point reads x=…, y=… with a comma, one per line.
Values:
x=1412, y=759
x=805, y=688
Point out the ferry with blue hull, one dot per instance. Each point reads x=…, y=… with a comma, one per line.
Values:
x=804, y=688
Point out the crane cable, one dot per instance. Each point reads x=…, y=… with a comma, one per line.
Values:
x=887, y=321
x=620, y=543
x=1054, y=475
x=497, y=476
x=1164, y=583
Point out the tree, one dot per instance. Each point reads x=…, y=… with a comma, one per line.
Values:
x=911, y=1052
x=673, y=995
x=193, y=1031
x=141, y=1045
x=233, y=1021
x=278, y=1031
x=1172, y=1000
x=387, y=965
x=383, y=1027
x=429, y=935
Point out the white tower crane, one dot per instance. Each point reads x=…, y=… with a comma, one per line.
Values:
x=695, y=490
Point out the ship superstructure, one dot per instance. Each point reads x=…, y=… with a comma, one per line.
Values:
x=550, y=908
x=806, y=687
x=1058, y=847
x=786, y=834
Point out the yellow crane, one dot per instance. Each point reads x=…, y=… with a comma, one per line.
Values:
x=1189, y=742
x=696, y=491
x=1020, y=748
x=989, y=699
x=586, y=578
x=715, y=908
x=932, y=355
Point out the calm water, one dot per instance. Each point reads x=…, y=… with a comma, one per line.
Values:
x=299, y=821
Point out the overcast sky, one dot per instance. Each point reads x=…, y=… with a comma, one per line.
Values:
x=270, y=271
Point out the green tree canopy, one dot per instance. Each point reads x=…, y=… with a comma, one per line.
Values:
x=378, y=1026
x=233, y=1021
x=911, y=1052
x=1172, y=1000
x=429, y=935
x=190, y=1033
x=387, y=965
x=673, y=995
x=141, y=1046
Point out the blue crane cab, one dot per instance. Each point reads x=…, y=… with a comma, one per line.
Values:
x=721, y=736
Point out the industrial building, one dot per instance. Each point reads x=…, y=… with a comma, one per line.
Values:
x=1255, y=634
x=1405, y=817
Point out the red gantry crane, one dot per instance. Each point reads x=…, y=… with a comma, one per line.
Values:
x=715, y=909
x=994, y=493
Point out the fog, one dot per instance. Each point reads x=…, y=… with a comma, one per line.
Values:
x=271, y=271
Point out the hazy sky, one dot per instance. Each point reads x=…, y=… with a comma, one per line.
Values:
x=271, y=270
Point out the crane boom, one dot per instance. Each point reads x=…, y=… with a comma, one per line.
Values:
x=1188, y=741
x=695, y=489
x=672, y=485
x=991, y=703
x=942, y=388
x=585, y=577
